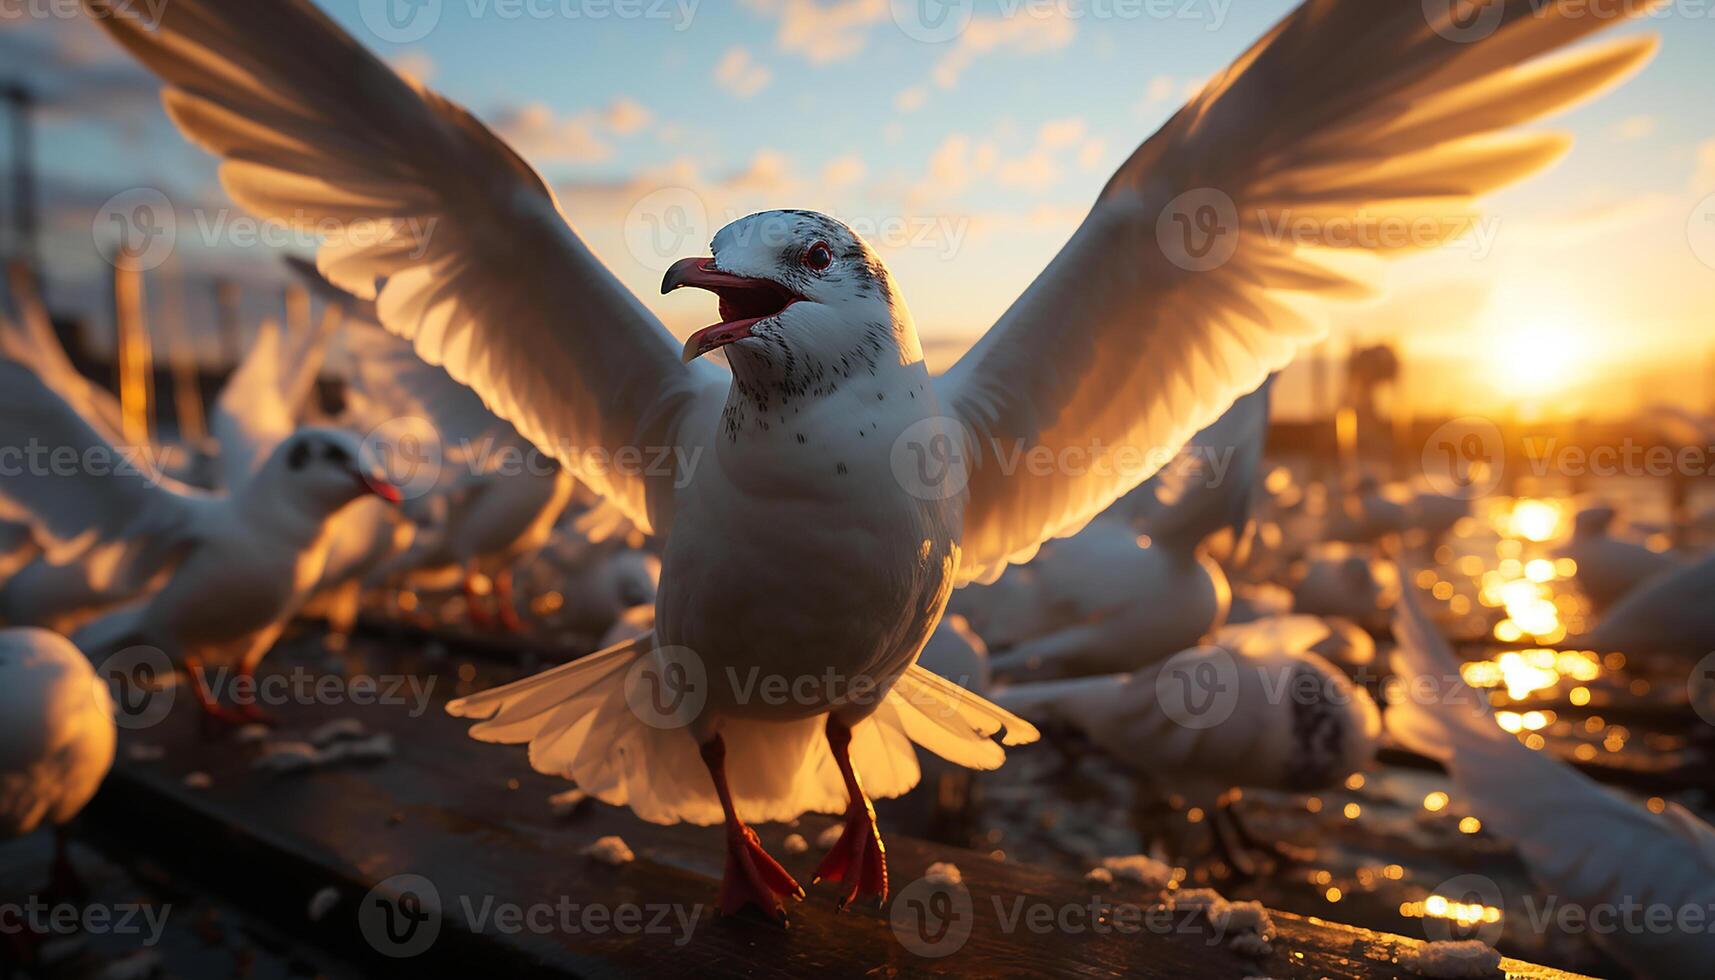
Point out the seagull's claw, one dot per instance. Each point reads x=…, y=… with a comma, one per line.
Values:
x=859, y=859
x=753, y=878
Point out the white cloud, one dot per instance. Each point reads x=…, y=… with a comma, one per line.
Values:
x=1160, y=89
x=542, y=136
x=1035, y=170
x=740, y=75
x=626, y=117
x=1058, y=133
x=1092, y=153
x=1634, y=128
x=843, y=172
x=823, y=31
x=1029, y=31
x=1704, y=180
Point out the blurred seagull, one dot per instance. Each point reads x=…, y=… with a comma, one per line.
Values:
x=234, y=566
x=598, y=581
x=501, y=497
x=1670, y=614
x=57, y=737
x=1609, y=567
x=1565, y=826
x=822, y=498
x=1254, y=709
x=1348, y=581
x=267, y=390
x=1110, y=600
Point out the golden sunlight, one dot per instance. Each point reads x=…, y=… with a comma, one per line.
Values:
x=1540, y=343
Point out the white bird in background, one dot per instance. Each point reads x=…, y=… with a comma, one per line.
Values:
x=500, y=498
x=821, y=500
x=1670, y=614
x=1108, y=600
x=598, y=582
x=1367, y=512
x=1347, y=581
x=1609, y=567
x=57, y=736
x=233, y=566
x=270, y=387
x=1568, y=829
x=1255, y=709
x=361, y=538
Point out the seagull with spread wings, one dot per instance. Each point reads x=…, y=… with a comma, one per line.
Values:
x=822, y=496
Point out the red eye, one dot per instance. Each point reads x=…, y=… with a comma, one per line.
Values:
x=819, y=257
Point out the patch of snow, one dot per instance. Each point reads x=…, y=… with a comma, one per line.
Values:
x=943, y=873
x=610, y=850
x=1452, y=959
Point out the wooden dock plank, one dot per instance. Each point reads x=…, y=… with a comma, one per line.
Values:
x=473, y=820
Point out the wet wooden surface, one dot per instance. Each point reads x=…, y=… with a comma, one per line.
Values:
x=473, y=821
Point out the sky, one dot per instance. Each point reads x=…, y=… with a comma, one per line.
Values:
x=968, y=159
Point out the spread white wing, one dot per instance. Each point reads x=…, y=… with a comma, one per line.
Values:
x=1187, y=283
x=82, y=498
x=1211, y=482
x=393, y=379
x=29, y=338
x=460, y=243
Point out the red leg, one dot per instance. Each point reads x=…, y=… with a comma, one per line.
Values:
x=475, y=603
x=214, y=713
x=506, y=603
x=752, y=877
x=859, y=859
x=252, y=711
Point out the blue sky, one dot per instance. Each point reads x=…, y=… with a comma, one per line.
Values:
x=974, y=158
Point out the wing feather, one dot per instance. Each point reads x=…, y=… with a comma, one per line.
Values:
x=1347, y=118
x=461, y=244
x=84, y=499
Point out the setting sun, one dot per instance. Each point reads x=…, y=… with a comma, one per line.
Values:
x=1540, y=344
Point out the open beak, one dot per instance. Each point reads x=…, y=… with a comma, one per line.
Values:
x=744, y=302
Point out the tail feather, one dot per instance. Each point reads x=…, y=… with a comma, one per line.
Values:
x=579, y=724
x=532, y=693
x=928, y=690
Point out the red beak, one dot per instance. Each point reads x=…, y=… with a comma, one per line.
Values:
x=745, y=302
x=381, y=488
